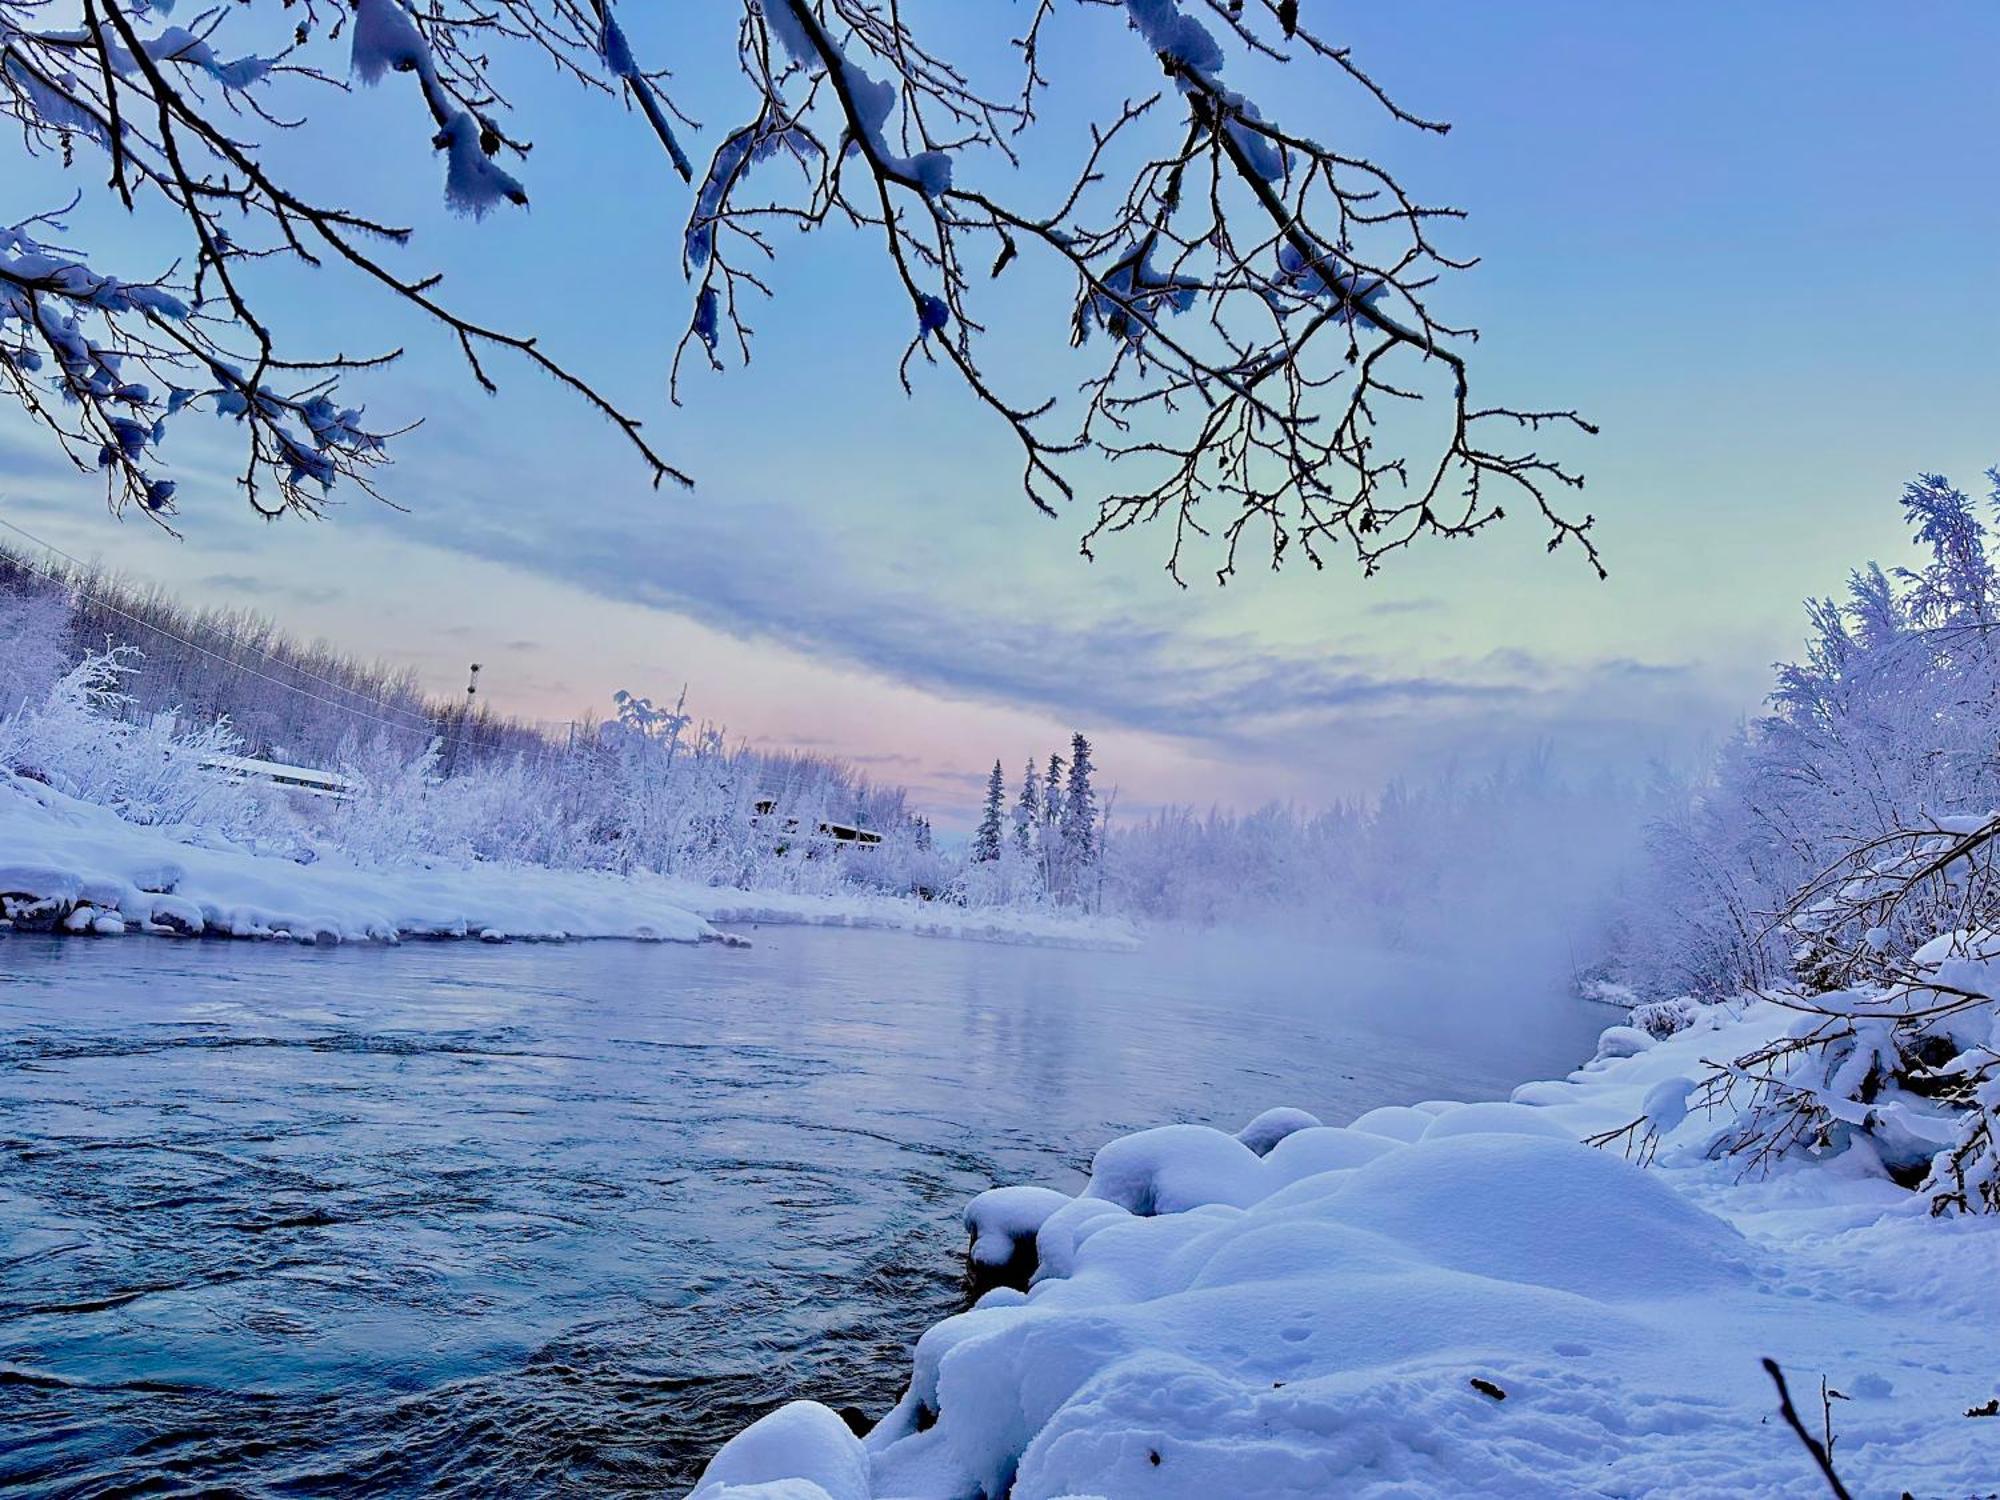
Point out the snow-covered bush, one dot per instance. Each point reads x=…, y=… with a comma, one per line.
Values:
x=1661, y=1019
x=1014, y=879
x=391, y=819
x=905, y=863
x=1896, y=1053
x=649, y=792
x=151, y=771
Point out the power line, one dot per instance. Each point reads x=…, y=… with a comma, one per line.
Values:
x=234, y=640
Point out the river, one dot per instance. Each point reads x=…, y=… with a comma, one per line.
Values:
x=470, y=1220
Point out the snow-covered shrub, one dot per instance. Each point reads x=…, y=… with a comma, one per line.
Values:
x=1014, y=880
x=390, y=819
x=905, y=863
x=1897, y=1056
x=1660, y=1019
x=151, y=771
x=648, y=793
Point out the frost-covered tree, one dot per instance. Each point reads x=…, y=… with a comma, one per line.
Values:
x=1247, y=298
x=1048, y=839
x=1079, y=820
x=987, y=840
x=34, y=630
x=1027, y=812
x=152, y=769
x=1889, y=721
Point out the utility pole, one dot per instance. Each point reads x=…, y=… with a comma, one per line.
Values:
x=464, y=717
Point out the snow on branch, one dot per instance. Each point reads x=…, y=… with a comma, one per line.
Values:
x=106, y=361
x=1253, y=301
x=1896, y=1053
x=1257, y=351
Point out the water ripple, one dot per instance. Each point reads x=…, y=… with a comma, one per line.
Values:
x=548, y=1220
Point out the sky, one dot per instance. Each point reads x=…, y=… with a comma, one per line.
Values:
x=1753, y=243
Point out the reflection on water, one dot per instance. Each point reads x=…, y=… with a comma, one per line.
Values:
x=466, y=1220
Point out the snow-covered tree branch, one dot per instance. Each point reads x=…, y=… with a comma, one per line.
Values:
x=1261, y=361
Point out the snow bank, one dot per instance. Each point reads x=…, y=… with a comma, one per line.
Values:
x=60, y=857
x=61, y=854
x=1446, y=1299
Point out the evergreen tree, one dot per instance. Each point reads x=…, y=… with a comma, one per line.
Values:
x=1052, y=793
x=986, y=842
x=1027, y=812
x=1048, y=841
x=1079, y=818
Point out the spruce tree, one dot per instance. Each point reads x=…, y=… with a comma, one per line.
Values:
x=986, y=842
x=1027, y=812
x=1079, y=819
x=1049, y=841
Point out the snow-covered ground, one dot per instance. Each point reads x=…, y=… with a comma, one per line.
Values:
x=101, y=873
x=1443, y=1299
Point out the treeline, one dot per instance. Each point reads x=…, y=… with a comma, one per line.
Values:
x=118, y=693
x=287, y=700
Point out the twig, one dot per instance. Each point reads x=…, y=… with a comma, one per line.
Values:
x=1813, y=1444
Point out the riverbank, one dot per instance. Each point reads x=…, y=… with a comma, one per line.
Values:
x=1443, y=1298
x=78, y=867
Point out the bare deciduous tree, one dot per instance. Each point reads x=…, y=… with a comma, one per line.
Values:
x=1257, y=305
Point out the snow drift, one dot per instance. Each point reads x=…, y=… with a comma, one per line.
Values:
x=60, y=856
x=1447, y=1299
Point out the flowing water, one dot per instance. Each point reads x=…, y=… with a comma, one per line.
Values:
x=454, y=1219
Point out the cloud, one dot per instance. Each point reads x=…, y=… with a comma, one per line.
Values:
x=956, y=614
x=262, y=588
x=933, y=633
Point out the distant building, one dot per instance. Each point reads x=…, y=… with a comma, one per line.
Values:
x=765, y=808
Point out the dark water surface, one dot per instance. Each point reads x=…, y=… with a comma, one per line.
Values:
x=466, y=1220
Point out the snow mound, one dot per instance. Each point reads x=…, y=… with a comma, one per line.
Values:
x=1553, y=1213
x=1399, y=1122
x=1493, y=1118
x=798, y=1452
x=1272, y=1126
x=1445, y=1299
x=1003, y=1223
x=1172, y=1168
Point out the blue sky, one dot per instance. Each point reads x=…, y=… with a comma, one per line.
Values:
x=1755, y=244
